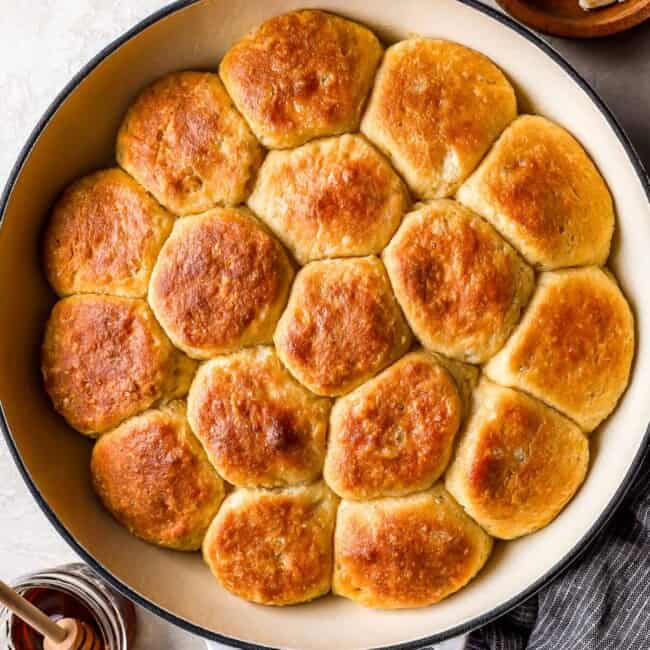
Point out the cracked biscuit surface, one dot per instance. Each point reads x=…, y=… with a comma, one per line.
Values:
x=541, y=191
x=406, y=552
x=153, y=476
x=517, y=464
x=186, y=143
x=435, y=109
x=274, y=546
x=103, y=236
x=341, y=326
x=258, y=425
x=220, y=283
x=301, y=75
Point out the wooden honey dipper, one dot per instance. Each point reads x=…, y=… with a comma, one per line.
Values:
x=66, y=634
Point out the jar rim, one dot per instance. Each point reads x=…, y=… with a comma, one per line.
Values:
x=77, y=581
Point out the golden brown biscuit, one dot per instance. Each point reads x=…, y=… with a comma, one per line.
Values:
x=342, y=325
x=186, y=143
x=435, y=110
x=153, y=476
x=574, y=346
x=394, y=434
x=220, y=283
x=542, y=192
x=518, y=462
x=274, y=546
x=461, y=286
x=334, y=197
x=258, y=425
x=407, y=552
x=106, y=358
x=103, y=236
x=301, y=75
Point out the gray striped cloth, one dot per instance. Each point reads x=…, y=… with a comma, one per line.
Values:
x=601, y=603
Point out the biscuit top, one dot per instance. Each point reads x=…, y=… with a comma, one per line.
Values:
x=104, y=359
x=407, y=552
x=154, y=477
x=219, y=283
x=258, y=425
x=103, y=236
x=301, y=75
x=334, y=197
x=436, y=108
x=186, y=143
x=274, y=547
x=539, y=188
x=574, y=348
x=394, y=434
x=341, y=326
x=519, y=462
x=461, y=286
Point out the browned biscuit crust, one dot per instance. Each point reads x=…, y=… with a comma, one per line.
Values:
x=407, y=552
x=186, y=143
x=103, y=236
x=334, y=197
x=574, y=346
x=220, y=283
x=435, y=109
x=105, y=359
x=258, y=425
x=301, y=75
x=274, y=546
x=518, y=462
x=394, y=434
x=341, y=325
x=541, y=191
x=461, y=286
x=153, y=476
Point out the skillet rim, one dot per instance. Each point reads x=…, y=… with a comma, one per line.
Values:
x=463, y=628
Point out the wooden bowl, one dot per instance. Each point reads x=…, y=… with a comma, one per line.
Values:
x=567, y=18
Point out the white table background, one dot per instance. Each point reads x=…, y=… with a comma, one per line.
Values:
x=42, y=44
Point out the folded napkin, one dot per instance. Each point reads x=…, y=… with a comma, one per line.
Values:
x=602, y=602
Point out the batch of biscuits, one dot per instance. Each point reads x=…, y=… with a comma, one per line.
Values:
x=339, y=317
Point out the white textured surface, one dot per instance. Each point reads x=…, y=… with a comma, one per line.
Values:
x=42, y=44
